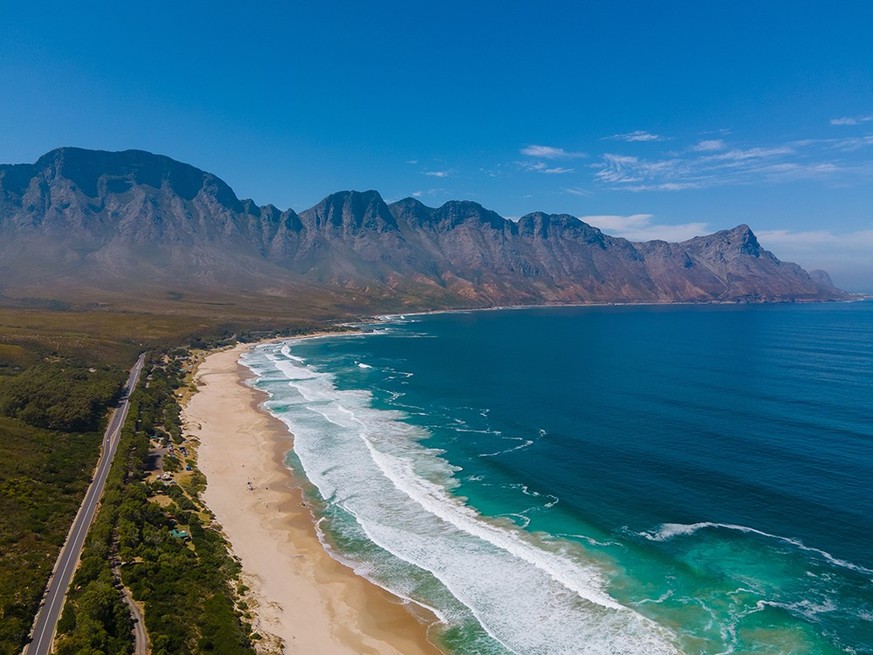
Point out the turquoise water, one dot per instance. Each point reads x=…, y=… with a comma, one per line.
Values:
x=603, y=479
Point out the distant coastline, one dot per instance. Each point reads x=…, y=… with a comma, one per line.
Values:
x=856, y=297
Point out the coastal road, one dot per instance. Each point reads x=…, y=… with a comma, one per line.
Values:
x=47, y=619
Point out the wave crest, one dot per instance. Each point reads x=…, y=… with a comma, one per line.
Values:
x=667, y=531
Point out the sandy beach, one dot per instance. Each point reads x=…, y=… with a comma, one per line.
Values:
x=314, y=604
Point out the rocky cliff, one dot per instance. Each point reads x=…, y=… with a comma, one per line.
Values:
x=81, y=219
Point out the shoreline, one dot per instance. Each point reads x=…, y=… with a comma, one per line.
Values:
x=305, y=598
x=855, y=297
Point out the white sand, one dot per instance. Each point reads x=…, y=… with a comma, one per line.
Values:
x=310, y=601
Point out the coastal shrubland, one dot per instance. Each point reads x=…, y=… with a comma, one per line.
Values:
x=51, y=412
x=165, y=549
x=67, y=397
x=58, y=365
x=43, y=478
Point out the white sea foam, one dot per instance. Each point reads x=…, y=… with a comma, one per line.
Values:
x=589, y=540
x=519, y=518
x=667, y=594
x=807, y=608
x=551, y=499
x=531, y=596
x=404, y=374
x=367, y=571
x=495, y=433
x=525, y=443
x=670, y=530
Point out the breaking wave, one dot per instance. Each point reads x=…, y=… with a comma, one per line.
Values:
x=379, y=482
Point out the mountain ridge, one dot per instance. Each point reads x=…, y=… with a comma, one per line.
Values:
x=102, y=220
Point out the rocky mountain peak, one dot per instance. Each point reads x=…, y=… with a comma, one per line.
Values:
x=412, y=211
x=97, y=172
x=457, y=212
x=731, y=243
x=745, y=240
x=351, y=211
x=544, y=225
x=134, y=220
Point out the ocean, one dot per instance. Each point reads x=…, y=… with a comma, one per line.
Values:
x=624, y=479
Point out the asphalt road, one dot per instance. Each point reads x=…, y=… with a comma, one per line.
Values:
x=50, y=611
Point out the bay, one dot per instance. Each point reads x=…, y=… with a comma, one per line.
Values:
x=600, y=479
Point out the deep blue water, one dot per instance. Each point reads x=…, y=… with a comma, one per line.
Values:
x=690, y=479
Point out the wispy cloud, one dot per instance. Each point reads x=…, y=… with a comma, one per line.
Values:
x=709, y=145
x=550, y=152
x=851, y=144
x=713, y=163
x=638, y=174
x=437, y=173
x=537, y=166
x=428, y=192
x=542, y=167
x=852, y=120
x=749, y=154
x=576, y=191
x=557, y=171
x=814, y=239
x=641, y=227
x=637, y=136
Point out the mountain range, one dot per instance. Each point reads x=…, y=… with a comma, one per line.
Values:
x=88, y=224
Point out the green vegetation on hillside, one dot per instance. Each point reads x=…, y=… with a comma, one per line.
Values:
x=59, y=372
x=50, y=419
x=52, y=410
x=184, y=582
x=43, y=478
x=68, y=398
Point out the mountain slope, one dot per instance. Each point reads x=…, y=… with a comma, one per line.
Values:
x=98, y=223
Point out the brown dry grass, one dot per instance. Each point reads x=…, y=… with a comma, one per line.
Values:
x=114, y=332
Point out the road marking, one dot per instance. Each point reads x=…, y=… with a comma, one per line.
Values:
x=83, y=519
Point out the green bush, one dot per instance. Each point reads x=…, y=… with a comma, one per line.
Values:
x=60, y=397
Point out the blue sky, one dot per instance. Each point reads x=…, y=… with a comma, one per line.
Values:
x=648, y=119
